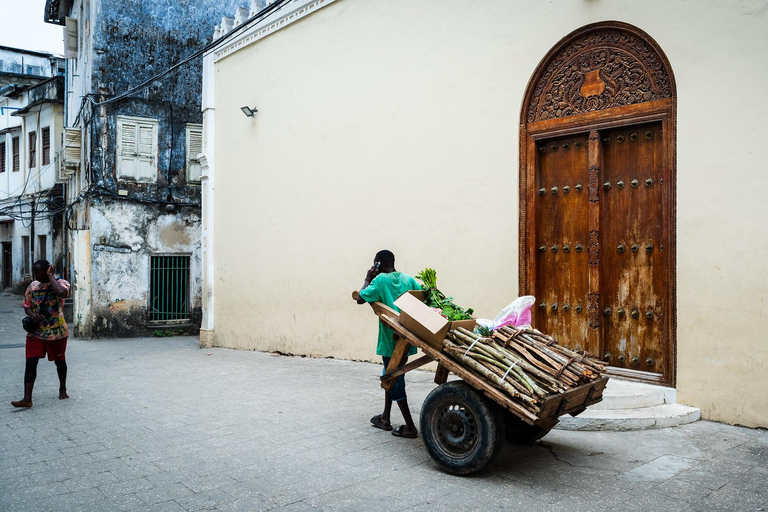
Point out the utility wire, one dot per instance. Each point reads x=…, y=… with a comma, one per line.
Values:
x=94, y=190
x=210, y=46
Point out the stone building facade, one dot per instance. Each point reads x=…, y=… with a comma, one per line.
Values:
x=133, y=187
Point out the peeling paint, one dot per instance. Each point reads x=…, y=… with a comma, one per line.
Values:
x=131, y=41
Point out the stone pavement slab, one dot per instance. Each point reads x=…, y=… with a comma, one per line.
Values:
x=161, y=425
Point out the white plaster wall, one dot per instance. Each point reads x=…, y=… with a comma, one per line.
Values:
x=395, y=124
x=12, y=183
x=81, y=69
x=42, y=177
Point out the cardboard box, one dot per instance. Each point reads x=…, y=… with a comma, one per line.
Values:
x=425, y=323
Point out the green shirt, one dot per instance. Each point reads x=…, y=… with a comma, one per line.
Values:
x=387, y=288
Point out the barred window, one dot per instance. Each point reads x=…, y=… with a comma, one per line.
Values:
x=169, y=288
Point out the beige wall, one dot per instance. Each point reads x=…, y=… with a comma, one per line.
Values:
x=394, y=124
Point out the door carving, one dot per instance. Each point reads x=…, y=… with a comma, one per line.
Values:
x=597, y=192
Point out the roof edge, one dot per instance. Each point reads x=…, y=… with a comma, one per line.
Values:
x=288, y=14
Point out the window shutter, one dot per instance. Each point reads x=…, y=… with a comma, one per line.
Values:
x=32, y=150
x=15, y=151
x=71, y=150
x=145, y=169
x=128, y=139
x=2, y=156
x=194, y=148
x=146, y=141
x=137, y=150
x=126, y=162
x=46, y=145
x=70, y=38
x=195, y=143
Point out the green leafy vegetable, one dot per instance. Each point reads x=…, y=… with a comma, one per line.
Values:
x=436, y=298
x=484, y=331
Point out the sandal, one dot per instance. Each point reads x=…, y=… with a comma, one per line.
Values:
x=398, y=432
x=376, y=422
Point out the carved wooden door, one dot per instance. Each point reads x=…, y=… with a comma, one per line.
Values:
x=562, y=222
x=599, y=278
x=632, y=267
x=597, y=198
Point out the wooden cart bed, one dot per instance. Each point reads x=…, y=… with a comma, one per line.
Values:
x=573, y=401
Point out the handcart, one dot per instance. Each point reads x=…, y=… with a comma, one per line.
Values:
x=465, y=422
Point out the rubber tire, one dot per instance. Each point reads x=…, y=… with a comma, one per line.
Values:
x=519, y=432
x=457, y=404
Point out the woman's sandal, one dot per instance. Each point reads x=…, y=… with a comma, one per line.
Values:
x=398, y=432
x=376, y=422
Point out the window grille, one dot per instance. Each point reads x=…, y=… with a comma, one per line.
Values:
x=169, y=288
x=2, y=156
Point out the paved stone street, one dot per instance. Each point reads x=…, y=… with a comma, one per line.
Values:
x=158, y=424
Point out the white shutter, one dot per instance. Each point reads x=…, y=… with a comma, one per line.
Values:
x=137, y=148
x=70, y=38
x=147, y=142
x=71, y=153
x=126, y=150
x=194, y=148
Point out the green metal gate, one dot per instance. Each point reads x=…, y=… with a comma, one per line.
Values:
x=169, y=288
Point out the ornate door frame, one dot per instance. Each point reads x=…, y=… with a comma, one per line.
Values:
x=600, y=76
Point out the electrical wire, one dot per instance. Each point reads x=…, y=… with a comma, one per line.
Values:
x=97, y=190
x=263, y=14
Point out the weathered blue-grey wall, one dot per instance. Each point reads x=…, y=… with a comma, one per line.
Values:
x=133, y=41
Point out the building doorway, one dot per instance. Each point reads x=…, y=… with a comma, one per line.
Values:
x=597, y=199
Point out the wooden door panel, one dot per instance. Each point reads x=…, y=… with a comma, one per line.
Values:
x=562, y=231
x=632, y=267
x=609, y=80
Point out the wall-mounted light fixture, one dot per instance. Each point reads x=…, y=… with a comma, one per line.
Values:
x=248, y=111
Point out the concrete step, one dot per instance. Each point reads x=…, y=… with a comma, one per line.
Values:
x=631, y=405
x=658, y=416
x=622, y=394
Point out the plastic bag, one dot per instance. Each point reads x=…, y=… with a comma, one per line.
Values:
x=518, y=313
x=484, y=322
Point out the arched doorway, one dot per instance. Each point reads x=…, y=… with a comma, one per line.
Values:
x=597, y=198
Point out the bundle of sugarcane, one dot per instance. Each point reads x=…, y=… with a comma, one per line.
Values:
x=544, y=351
x=526, y=365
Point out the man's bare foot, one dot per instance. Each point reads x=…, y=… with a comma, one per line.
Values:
x=63, y=394
x=22, y=403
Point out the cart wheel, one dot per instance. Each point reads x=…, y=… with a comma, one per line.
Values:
x=461, y=428
x=519, y=432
